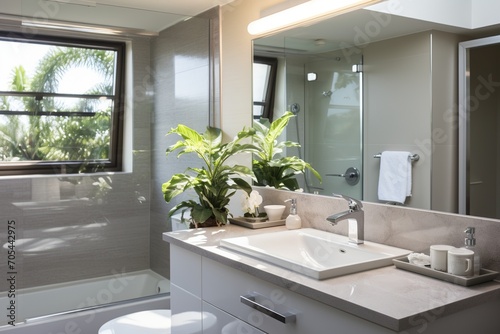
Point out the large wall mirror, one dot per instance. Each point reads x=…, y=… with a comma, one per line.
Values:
x=366, y=82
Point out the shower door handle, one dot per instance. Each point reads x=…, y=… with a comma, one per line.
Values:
x=351, y=176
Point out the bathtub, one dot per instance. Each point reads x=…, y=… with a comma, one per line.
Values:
x=81, y=307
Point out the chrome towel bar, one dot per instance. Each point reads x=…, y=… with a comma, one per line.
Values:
x=413, y=157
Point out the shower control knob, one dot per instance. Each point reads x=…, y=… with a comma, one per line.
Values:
x=295, y=108
x=351, y=176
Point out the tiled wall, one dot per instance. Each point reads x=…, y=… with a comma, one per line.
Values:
x=407, y=228
x=68, y=228
x=181, y=67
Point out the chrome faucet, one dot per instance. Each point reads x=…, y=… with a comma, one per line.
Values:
x=355, y=217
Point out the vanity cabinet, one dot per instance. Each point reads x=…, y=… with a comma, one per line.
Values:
x=226, y=300
x=190, y=315
x=200, y=285
x=234, y=291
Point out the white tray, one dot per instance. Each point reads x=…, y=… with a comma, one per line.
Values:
x=485, y=275
x=245, y=223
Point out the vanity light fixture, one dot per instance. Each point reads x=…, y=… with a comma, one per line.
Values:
x=310, y=10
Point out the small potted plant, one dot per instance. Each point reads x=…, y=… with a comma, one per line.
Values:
x=270, y=168
x=215, y=182
x=250, y=204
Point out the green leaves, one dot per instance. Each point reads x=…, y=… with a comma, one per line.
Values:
x=192, y=141
x=215, y=181
x=176, y=185
x=72, y=138
x=270, y=168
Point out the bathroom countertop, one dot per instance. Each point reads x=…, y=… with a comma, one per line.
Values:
x=390, y=297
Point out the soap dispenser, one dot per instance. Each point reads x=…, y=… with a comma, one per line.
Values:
x=293, y=220
x=470, y=243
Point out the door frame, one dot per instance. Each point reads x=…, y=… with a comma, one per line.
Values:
x=463, y=118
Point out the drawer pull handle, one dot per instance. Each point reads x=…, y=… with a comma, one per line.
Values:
x=249, y=300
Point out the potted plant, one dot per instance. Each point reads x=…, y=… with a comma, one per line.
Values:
x=269, y=167
x=215, y=182
x=250, y=203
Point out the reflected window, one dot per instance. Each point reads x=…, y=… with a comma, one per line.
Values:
x=264, y=82
x=60, y=105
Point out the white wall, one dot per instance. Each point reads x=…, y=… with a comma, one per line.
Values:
x=450, y=12
x=236, y=63
x=236, y=72
x=485, y=13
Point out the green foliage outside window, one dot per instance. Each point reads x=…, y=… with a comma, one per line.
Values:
x=39, y=123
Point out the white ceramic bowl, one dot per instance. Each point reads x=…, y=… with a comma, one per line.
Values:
x=274, y=212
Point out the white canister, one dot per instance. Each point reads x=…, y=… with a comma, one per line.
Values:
x=439, y=257
x=461, y=262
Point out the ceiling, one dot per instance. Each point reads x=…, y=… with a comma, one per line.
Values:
x=152, y=15
x=146, y=15
x=344, y=31
x=183, y=7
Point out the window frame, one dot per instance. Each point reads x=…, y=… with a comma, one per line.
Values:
x=268, y=103
x=115, y=160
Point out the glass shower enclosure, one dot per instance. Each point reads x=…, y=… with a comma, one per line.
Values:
x=325, y=91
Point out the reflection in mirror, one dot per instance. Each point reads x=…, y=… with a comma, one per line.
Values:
x=264, y=84
x=324, y=91
x=401, y=96
x=480, y=127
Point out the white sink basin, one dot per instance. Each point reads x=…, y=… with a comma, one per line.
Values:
x=314, y=253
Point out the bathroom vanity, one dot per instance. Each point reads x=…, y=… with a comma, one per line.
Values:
x=247, y=295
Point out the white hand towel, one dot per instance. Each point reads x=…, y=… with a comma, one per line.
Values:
x=394, y=183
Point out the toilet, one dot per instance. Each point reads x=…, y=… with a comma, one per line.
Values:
x=156, y=322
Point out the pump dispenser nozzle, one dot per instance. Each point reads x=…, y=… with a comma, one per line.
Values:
x=293, y=206
x=470, y=243
x=293, y=220
x=470, y=239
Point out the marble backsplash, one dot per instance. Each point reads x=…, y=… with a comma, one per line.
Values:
x=407, y=228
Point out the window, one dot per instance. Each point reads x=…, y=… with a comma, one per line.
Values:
x=264, y=82
x=61, y=105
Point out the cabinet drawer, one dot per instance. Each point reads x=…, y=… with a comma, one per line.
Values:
x=183, y=301
x=226, y=288
x=226, y=323
x=186, y=311
x=185, y=270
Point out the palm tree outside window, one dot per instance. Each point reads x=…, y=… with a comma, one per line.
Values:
x=61, y=104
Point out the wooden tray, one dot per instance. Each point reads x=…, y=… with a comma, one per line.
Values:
x=245, y=223
x=485, y=275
